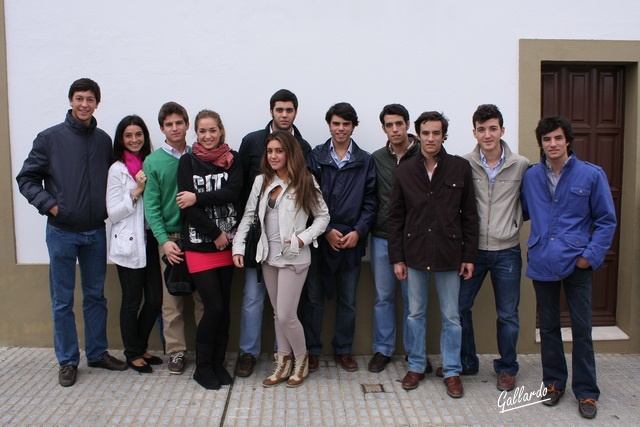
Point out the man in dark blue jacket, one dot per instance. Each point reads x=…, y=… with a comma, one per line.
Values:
x=283, y=107
x=347, y=177
x=573, y=221
x=72, y=159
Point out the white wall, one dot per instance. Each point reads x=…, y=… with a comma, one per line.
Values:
x=231, y=56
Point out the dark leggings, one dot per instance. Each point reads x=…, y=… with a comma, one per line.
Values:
x=214, y=287
x=140, y=287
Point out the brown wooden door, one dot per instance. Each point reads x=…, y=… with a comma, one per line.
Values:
x=592, y=98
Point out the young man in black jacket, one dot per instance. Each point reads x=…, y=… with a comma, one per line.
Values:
x=73, y=159
x=283, y=107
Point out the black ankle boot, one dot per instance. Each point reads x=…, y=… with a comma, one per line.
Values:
x=204, y=374
x=219, y=353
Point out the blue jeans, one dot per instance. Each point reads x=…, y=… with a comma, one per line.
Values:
x=251, y=313
x=505, y=267
x=90, y=249
x=384, y=308
x=346, y=282
x=577, y=289
x=448, y=287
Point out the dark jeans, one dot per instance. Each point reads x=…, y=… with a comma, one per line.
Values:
x=141, y=301
x=505, y=268
x=577, y=289
x=346, y=282
x=214, y=287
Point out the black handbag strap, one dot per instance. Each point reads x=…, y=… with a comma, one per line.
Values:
x=256, y=218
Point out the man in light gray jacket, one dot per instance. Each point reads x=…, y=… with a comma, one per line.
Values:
x=497, y=175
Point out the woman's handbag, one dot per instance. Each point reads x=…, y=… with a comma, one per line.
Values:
x=177, y=277
x=253, y=236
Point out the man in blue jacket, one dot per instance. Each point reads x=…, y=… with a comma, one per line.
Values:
x=72, y=159
x=573, y=221
x=347, y=178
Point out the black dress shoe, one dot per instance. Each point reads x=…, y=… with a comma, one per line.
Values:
x=109, y=362
x=67, y=375
x=153, y=360
x=143, y=369
x=378, y=362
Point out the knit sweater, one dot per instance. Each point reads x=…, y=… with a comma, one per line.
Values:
x=160, y=208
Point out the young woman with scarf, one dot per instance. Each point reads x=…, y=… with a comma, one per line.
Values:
x=209, y=186
x=133, y=248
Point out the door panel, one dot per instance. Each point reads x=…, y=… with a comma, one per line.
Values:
x=591, y=97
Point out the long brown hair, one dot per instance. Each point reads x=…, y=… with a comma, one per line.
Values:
x=299, y=176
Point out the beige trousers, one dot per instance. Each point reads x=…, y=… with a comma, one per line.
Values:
x=173, y=317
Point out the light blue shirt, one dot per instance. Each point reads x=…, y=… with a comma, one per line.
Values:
x=345, y=159
x=492, y=172
x=552, y=178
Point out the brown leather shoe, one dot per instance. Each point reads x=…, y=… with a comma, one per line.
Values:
x=347, y=362
x=410, y=381
x=454, y=387
x=245, y=365
x=314, y=362
x=506, y=381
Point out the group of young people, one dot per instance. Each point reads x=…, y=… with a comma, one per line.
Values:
x=429, y=213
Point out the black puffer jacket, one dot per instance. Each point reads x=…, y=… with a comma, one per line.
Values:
x=73, y=161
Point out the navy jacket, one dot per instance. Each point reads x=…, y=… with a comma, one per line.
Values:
x=251, y=151
x=350, y=194
x=73, y=161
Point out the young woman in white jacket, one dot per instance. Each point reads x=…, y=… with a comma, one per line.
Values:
x=289, y=196
x=132, y=247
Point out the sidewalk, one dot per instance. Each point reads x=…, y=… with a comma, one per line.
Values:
x=30, y=395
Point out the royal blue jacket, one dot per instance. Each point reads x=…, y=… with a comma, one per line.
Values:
x=579, y=220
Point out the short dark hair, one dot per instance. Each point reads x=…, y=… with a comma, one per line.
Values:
x=85, y=84
x=394, y=109
x=170, y=108
x=345, y=111
x=551, y=123
x=118, y=139
x=486, y=112
x=283, y=95
x=432, y=116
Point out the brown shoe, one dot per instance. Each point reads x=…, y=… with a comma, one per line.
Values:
x=553, y=395
x=347, y=362
x=454, y=387
x=410, y=381
x=378, y=362
x=506, y=381
x=245, y=365
x=314, y=362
